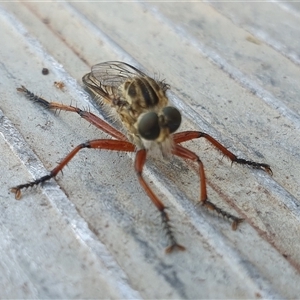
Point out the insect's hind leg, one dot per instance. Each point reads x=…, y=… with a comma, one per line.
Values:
x=139, y=164
x=187, y=154
x=90, y=117
x=106, y=144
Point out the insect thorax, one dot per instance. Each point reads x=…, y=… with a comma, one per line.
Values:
x=142, y=94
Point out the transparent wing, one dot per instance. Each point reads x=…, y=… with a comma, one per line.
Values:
x=105, y=79
x=114, y=73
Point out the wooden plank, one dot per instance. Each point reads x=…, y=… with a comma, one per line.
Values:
x=228, y=81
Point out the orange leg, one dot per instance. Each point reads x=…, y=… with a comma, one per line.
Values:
x=121, y=144
x=140, y=160
x=190, y=135
x=90, y=117
x=187, y=154
x=116, y=145
x=95, y=144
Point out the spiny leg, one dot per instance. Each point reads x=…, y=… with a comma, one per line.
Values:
x=90, y=117
x=139, y=164
x=190, y=135
x=187, y=154
x=95, y=144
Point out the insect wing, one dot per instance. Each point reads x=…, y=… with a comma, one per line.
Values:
x=105, y=79
x=114, y=73
x=108, y=94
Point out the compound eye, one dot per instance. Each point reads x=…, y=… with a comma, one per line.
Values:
x=172, y=117
x=148, y=126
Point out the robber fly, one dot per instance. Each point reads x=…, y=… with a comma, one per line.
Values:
x=143, y=108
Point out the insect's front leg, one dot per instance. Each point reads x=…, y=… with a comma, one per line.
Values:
x=190, y=135
x=139, y=164
x=90, y=117
x=187, y=154
x=95, y=144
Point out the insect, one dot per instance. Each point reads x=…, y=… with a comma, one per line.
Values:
x=59, y=85
x=144, y=110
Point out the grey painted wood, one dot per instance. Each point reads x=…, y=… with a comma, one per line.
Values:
x=92, y=232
